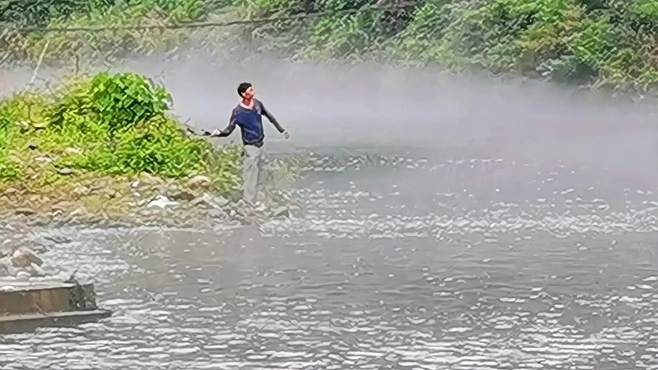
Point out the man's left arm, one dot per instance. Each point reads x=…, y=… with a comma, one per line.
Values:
x=271, y=118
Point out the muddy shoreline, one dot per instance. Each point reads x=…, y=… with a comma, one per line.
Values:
x=122, y=201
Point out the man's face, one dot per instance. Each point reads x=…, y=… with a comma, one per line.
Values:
x=249, y=93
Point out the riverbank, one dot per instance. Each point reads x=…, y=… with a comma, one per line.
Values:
x=136, y=200
x=105, y=149
x=121, y=200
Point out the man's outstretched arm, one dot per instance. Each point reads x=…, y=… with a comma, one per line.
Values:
x=228, y=130
x=271, y=118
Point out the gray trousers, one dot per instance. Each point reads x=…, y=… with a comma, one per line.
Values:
x=251, y=168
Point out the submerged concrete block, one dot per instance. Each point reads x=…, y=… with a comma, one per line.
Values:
x=25, y=304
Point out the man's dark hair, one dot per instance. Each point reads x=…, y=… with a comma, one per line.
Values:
x=243, y=87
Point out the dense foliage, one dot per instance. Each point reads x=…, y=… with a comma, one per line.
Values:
x=598, y=43
x=109, y=124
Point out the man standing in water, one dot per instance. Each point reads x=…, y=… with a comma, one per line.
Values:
x=248, y=115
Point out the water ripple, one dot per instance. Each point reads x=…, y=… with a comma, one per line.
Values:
x=470, y=268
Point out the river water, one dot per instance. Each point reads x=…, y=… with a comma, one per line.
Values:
x=450, y=258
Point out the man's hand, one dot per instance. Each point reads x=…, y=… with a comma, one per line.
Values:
x=286, y=135
x=213, y=133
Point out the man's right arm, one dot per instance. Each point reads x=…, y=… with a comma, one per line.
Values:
x=228, y=130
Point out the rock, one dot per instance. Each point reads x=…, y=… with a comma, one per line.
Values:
x=62, y=206
x=42, y=221
x=199, y=181
x=36, y=270
x=5, y=266
x=221, y=201
x=161, y=201
x=217, y=214
x=58, y=239
x=43, y=159
x=210, y=201
x=25, y=257
x=111, y=193
x=32, y=146
x=135, y=184
x=14, y=157
x=25, y=211
x=281, y=212
x=203, y=201
x=240, y=204
x=149, y=179
x=179, y=194
x=23, y=275
x=10, y=191
x=72, y=150
x=81, y=190
x=23, y=124
x=65, y=171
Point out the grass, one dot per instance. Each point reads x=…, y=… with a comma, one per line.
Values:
x=104, y=125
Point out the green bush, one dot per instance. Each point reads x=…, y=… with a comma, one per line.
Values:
x=18, y=112
x=121, y=121
x=646, y=9
x=9, y=170
x=156, y=146
x=594, y=43
x=421, y=40
x=80, y=47
x=38, y=12
x=114, y=124
x=112, y=101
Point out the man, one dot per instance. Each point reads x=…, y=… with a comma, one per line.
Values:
x=248, y=115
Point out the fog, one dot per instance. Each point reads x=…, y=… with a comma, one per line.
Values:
x=369, y=105
x=445, y=222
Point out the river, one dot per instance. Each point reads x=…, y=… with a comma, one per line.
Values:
x=400, y=258
x=443, y=225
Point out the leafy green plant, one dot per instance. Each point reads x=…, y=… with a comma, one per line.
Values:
x=111, y=101
x=18, y=113
x=156, y=146
x=80, y=47
x=589, y=42
x=647, y=9
x=113, y=124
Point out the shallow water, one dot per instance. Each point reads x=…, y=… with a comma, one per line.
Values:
x=399, y=259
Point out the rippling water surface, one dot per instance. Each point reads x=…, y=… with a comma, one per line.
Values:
x=398, y=260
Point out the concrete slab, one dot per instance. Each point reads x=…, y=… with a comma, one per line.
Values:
x=29, y=322
x=29, y=304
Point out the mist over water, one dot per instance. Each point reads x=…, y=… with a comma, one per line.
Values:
x=338, y=105
x=454, y=223
x=335, y=104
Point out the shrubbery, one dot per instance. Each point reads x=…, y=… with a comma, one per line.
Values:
x=110, y=124
x=598, y=43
